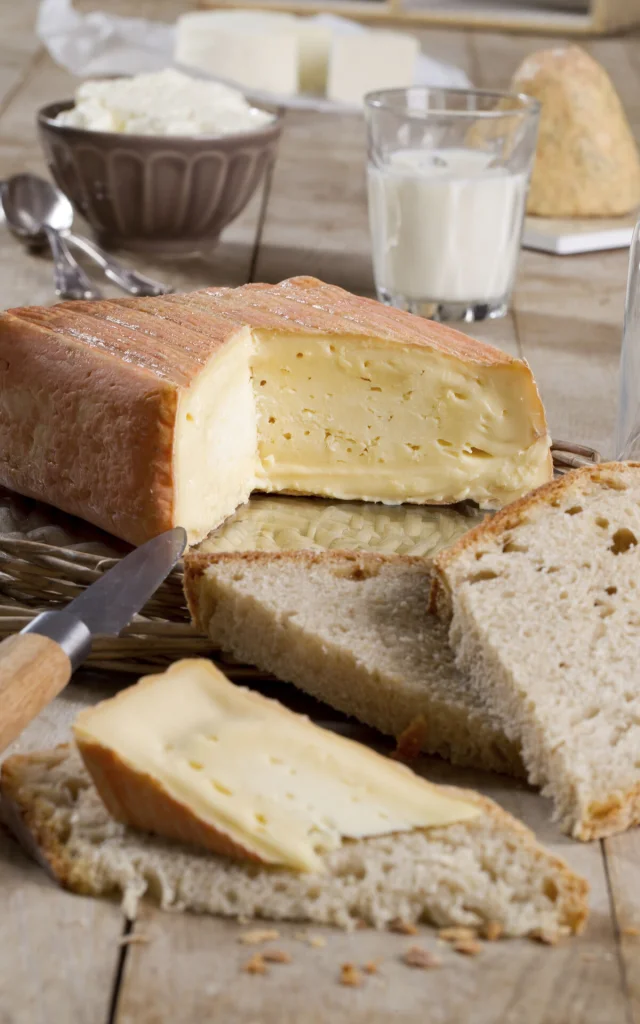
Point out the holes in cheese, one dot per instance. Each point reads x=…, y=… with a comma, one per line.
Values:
x=274, y=786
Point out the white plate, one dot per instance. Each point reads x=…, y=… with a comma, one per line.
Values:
x=568, y=237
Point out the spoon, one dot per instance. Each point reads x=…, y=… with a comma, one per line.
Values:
x=39, y=213
x=37, y=224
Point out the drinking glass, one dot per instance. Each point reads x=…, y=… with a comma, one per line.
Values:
x=448, y=174
x=627, y=440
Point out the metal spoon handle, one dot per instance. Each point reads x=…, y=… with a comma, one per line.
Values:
x=129, y=280
x=70, y=280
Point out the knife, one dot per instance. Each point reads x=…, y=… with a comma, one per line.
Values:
x=37, y=663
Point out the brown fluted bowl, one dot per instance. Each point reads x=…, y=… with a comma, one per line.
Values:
x=146, y=192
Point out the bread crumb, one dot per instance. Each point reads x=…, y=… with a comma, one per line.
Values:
x=631, y=930
x=317, y=941
x=402, y=927
x=469, y=947
x=457, y=933
x=545, y=936
x=491, y=931
x=417, y=956
x=134, y=939
x=258, y=935
x=255, y=965
x=276, y=956
x=371, y=966
x=350, y=975
x=410, y=742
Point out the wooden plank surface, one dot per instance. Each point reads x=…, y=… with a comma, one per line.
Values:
x=191, y=967
x=566, y=321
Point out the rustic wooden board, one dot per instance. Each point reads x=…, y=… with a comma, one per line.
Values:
x=623, y=858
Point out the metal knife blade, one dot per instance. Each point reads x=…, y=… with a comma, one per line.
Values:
x=110, y=603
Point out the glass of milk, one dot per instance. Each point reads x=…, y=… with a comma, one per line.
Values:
x=448, y=173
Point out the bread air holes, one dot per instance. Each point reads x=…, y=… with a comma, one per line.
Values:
x=512, y=545
x=550, y=889
x=574, y=510
x=602, y=522
x=484, y=574
x=622, y=540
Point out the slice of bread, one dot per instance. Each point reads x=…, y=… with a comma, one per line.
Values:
x=543, y=602
x=487, y=869
x=350, y=629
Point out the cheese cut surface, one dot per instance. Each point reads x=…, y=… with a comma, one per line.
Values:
x=139, y=415
x=257, y=778
x=365, y=61
x=411, y=426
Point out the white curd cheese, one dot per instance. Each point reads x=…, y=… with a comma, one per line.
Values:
x=162, y=103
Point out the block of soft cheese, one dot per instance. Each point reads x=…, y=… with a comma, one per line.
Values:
x=142, y=414
x=255, y=49
x=587, y=162
x=190, y=756
x=282, y=523
x=365, y=61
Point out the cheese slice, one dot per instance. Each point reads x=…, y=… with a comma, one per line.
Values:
x=366, y=61
x=189, y=755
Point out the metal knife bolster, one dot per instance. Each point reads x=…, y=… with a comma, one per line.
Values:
x=68, y=631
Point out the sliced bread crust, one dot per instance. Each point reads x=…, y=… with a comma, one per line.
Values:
x=541, y=605
x=350, y=629
x=488, y=869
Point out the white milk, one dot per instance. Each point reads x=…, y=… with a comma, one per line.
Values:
x=445, y=225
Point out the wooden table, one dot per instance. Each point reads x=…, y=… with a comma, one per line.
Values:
x=62, y=960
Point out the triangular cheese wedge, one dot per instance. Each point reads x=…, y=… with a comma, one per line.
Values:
x=188, y=755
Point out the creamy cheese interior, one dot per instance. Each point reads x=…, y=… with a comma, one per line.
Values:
x=354, y=420
x=273, y=781
x=215, y=440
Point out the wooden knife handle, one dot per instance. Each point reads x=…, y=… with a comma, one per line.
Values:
x=33, y=670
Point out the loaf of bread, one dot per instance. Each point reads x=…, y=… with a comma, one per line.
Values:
x=139, y=415
x=543, y=603
x=351, y=630
x=587, y=162
x=486, y=870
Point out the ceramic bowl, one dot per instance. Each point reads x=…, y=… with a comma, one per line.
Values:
x=156, y=193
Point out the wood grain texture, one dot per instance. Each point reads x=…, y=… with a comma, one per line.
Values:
x=623, y=861
x=59, y=953
x=175, y=975
x=33, y=670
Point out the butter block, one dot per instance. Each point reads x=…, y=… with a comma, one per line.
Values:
x=255, y=49
x=190, y=756
x=366, y=61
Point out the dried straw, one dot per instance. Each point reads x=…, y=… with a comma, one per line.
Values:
x=36, y=577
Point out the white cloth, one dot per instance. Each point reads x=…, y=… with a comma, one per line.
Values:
x=98, y=43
